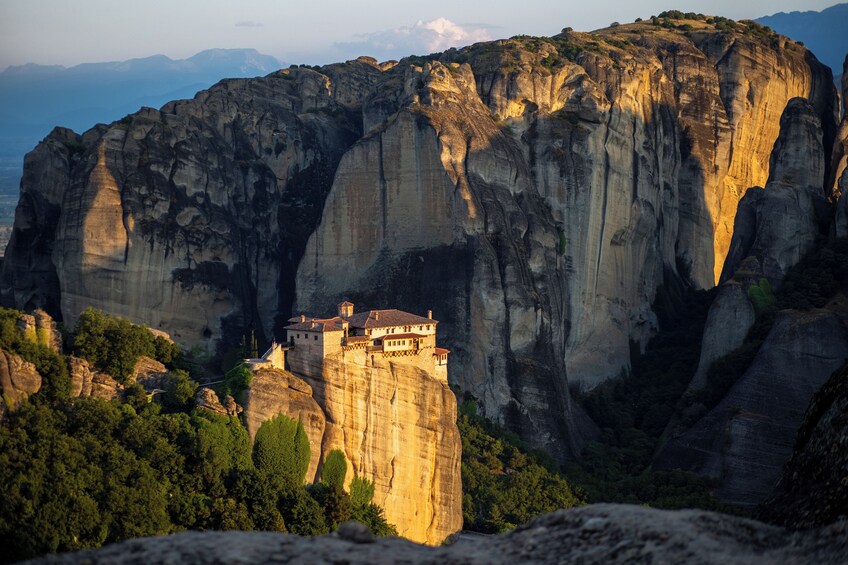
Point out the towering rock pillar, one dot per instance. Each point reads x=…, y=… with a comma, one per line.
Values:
x=779, y=224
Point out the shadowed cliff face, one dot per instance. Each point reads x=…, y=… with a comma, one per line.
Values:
x=812, y=491
x=188, y=218
x=745, y=439
x=533, y=192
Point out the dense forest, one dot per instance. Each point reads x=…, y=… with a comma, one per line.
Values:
x=79, y=473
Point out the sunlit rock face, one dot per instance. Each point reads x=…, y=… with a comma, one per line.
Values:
x=781, y=223
x=534, y=193
x=396, y=425
x=18, y=380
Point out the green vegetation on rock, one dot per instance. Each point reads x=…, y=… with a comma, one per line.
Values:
x=281, y=451
x=812, y=283
x=503, y=484
x=114, y=344
x=80, y=473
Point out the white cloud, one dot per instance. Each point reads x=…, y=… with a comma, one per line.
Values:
x=250, y=24
x=422, y=38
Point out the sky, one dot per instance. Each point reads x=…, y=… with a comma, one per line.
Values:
x=68, y=32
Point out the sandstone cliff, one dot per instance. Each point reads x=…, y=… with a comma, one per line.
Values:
x=275, y=392
x=396, y=425
x=534, y=192
x=840, y=162
x=744, y=440
x=18, y=380
x=781, y=223
x=774, y=228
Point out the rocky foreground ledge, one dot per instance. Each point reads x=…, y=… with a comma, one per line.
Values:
x=602, y=533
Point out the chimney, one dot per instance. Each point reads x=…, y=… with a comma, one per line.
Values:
x=377, y=316
x=429, y=314
x=302, y=318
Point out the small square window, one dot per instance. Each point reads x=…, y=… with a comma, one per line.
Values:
x=316, y=338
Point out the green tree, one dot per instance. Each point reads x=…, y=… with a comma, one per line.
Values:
x=335, y=503
x=361, y=492
x=364, y=511
x=504, y=485
x=90, y=336
x=281, y=451
x=761, y=296
x=334, y=470
x=114, y=344
x=180, y=391
x=303, y=515
x=237, y=380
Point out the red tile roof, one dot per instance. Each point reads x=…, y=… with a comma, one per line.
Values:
x=316, y=324
x=441, y=351
x=387, y=319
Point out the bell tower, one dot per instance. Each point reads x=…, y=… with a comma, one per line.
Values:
x=345, y=309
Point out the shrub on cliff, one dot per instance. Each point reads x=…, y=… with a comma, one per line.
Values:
x=364, y=510
x=180, y=391
x=114, y=344
x=281, y=451
x=334, y=470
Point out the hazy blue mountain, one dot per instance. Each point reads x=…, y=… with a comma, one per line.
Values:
x=36, y=98
x=825, y=33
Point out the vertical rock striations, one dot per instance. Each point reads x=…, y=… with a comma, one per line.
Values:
x=534, y=192
x=192, y=218
x=791, y=214
x=745, y=439
x=774, y=228
x=396, y=425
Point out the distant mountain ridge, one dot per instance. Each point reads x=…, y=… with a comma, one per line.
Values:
x=35, y=98
x=824, y=33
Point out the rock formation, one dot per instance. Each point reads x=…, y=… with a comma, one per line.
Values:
x=207, y=399
x=840, y=162
x=782, y=223
x=774, y=228
x=396, y=425
x=745, y=440
x=87, y=381
x=275, y=392
x=598, y=534
x=729, y=320
x=41, y=328
x=18, y=380
x=839, y=155
x=534, y=192
x=812, y=491
x=149, y=373
x=81, y=377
